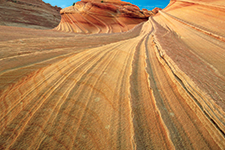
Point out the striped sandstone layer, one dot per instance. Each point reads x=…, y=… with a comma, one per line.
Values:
x=160, y=85
x=101, y=16
x=29, y=13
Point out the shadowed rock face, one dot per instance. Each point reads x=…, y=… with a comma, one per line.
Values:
x=160, y=85
x=97, y=16
x=29, y=13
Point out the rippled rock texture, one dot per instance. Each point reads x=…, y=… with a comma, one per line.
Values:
x=102, y=16
x=29, y=13
x=160, y=85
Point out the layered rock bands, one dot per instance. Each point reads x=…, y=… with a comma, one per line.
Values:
x=160, y=85
x=102, y=16
x=29, y=14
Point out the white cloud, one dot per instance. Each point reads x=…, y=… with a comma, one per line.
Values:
x=63, y=6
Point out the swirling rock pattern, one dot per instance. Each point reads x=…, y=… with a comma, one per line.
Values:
x=160, y=85
x=101, y=16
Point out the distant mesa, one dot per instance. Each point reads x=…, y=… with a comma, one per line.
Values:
x=102, y=16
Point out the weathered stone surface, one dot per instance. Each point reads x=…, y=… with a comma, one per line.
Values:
x=29, y=13
x=96, y=16
x=160, y=85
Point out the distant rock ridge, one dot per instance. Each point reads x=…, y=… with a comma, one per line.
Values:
x=102, y=16
x=29, y=13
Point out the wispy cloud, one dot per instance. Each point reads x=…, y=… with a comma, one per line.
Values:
x=63, y=6
x=151, y=7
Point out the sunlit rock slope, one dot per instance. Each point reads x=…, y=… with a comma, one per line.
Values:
x=160, y=85
x=101, y=16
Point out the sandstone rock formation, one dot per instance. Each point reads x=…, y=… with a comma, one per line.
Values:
x=101, y=16
x=160, y=85
x=29, y=13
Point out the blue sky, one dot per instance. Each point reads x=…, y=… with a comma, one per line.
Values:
x=148, y=4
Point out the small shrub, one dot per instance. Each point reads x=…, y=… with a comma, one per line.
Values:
x=74, y=4
x=102, y=1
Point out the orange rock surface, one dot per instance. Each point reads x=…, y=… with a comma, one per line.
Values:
x=97, y=16
x=160, y=85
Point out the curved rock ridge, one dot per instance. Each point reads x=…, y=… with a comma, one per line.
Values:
x=160, y=85
x=101, y=16
x=29, y=13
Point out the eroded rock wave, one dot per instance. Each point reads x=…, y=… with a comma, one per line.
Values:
x=96, y=16
x=160, y=85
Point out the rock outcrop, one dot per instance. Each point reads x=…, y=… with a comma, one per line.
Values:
x=101, y=16
x=29, y=13
x=160, y=85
